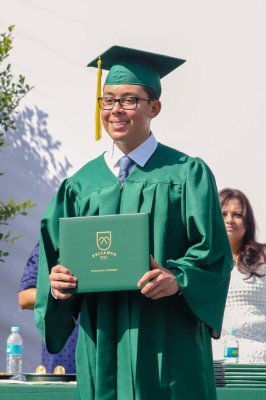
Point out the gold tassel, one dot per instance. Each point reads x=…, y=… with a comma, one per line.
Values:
x=98, y=126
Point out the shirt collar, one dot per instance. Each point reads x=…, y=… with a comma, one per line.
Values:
x=140, y=155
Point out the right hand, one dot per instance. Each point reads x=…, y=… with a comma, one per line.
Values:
x=61, y=278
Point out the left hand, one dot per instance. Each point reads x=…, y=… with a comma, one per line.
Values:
x=159, y=282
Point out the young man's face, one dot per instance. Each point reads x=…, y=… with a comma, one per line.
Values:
x=128, y=128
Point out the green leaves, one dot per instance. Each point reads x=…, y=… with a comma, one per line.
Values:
x=11, y=93
x=9, y=211
x=6, y=43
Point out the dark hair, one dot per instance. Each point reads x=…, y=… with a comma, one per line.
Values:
x=252, y=253
x=151, y=93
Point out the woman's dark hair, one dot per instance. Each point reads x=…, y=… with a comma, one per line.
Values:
x=252, y=253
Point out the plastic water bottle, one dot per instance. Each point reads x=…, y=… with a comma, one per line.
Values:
x=14, y=351
x=231, y=348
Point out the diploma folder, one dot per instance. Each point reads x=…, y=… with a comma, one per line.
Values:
x=105, y=252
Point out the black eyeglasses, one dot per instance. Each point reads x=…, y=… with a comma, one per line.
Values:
x=127, y=103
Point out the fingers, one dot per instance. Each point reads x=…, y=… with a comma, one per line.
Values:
x=60, y=296
x=155, y=271
x=166, y=286
x=155, y=293
x=159, y=282
x=148, y=276
x=60, y=269
x=61, y=278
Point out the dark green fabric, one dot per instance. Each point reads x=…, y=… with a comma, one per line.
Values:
x=11, y=391
x=64, y=392
x=134, y=74
x=136, y=67
x=131, y=347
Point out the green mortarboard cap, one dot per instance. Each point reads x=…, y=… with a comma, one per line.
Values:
x=128, y=66
x=135, y=67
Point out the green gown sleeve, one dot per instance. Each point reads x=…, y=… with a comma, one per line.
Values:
x=203, y=273
x=54, y=318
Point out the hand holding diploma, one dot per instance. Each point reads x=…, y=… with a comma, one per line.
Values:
x=159, y=282
x=61, y=278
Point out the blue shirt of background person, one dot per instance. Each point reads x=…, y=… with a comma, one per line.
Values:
x=27, y=295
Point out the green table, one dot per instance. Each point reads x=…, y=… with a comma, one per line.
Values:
x=15, y=391
x=69, y=392
x=241, y=393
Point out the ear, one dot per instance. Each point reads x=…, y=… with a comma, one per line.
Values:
x=155, y=108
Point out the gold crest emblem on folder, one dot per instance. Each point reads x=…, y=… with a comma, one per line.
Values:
x=104, y=240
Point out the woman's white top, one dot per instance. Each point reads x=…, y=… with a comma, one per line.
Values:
x=246, y=312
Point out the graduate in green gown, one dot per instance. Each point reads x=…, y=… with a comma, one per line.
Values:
x=153, y=343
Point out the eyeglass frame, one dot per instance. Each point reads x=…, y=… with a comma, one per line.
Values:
x=137, y=99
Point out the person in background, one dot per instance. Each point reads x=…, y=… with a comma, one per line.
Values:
x=26, y=299
x=245, y=308
x=155, y=342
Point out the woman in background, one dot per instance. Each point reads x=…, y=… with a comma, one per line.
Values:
x=246, y=300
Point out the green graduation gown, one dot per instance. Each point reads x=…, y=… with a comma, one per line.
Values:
x=131, y=347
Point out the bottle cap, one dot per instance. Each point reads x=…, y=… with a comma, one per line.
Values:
x=15, y=329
